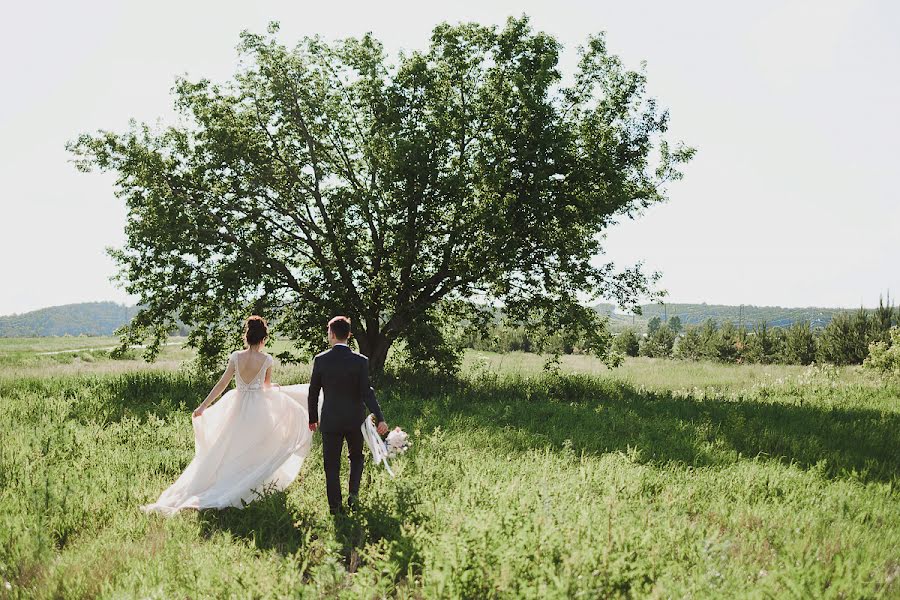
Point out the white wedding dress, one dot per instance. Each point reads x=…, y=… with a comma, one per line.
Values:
x=254, y=439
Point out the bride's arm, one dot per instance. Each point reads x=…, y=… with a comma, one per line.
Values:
x=217, y=389
x=268, y=380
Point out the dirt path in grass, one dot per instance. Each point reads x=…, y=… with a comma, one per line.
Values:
x=90, y=349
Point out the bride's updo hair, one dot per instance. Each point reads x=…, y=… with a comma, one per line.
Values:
x=255, y=330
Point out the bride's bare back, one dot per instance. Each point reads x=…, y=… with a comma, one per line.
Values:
x=249, y=363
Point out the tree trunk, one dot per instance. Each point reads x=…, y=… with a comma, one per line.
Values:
x=375, y=347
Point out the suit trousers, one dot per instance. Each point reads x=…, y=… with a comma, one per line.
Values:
x=332, y=444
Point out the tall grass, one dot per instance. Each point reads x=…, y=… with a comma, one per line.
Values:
x=519, y=484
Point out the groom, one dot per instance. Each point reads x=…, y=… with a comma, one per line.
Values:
x=344, y=376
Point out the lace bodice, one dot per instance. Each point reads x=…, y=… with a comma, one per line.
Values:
x=257, y=382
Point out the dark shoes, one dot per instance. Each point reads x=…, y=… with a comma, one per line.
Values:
x=352, y=504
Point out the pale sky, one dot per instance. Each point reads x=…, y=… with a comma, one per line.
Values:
x=794, y=107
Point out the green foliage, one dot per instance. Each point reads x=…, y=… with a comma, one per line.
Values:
x=626, y=342
x=799, y=344
x=696, y=342
x=884, y=357
x=659, y=343
x=517, y=486
x=690, y=345
x=653, y=324
x=502, y=338
x=498, y=338
x=430, y=347
x=763, y=345
x=883, y=318
x=709, y=336
x=547, y=333
x=327, y=178
x=845, y=340
x=727, y=343
x=675, y=324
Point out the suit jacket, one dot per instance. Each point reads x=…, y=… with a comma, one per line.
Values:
x=344, y=377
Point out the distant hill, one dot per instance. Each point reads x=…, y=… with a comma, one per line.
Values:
x=694, y=314
x=88, y=318
x=103, y=318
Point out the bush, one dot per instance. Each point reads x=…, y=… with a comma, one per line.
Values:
x=884, y=357
x=845, y=340
x=690, y=345
x=659, y=343
x=675, y=324
x=799, y=344
x=433, y=348
x=727, y=343
x=626, y=343
x=883, y=319
x=762, y=346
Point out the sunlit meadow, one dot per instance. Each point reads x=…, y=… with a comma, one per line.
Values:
x=657, y=479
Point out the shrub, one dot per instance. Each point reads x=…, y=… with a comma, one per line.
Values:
x=659, y=343
x=883, y=318
x=799, y=344
x=845, y=340
x=884, y=357
x=761, y=346
x=675, y=324
x=626, y=342
x=690, y=345
x=726, y=345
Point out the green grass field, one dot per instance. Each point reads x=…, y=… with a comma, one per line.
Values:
x=659, y=479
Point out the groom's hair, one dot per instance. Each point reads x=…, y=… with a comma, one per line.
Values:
x=340, y=327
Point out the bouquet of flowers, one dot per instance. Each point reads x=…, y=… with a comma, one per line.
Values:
x=397, y=442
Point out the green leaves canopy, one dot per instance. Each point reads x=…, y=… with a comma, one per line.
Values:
x=324, y=180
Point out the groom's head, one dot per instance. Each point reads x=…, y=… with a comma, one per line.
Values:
x=339, y=330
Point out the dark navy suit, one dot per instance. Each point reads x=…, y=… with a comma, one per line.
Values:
x=343, y=376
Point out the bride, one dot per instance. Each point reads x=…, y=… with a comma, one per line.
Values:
x=254, y=439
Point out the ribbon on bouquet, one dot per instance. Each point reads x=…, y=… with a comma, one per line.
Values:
x=377, y=445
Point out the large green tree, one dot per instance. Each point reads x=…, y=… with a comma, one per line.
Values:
x=326, y=179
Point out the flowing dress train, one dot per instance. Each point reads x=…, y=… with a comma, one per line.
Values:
x=254, y=438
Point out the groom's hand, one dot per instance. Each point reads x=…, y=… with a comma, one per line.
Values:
x=313, y=426
x=382, y=428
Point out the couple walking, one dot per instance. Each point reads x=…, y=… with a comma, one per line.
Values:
x=258, y=435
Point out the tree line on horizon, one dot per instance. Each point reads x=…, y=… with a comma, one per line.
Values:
x=845, y=340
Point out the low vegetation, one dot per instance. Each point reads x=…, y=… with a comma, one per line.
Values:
x=845, y=340
x=660, y=478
